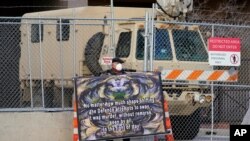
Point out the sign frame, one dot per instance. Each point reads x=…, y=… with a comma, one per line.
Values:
x=163, y=112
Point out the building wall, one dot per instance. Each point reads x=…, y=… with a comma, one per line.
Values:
x=123, y=3
x=77, y=3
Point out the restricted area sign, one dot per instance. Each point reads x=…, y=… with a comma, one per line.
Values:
x=106, y=60
x=224, y=51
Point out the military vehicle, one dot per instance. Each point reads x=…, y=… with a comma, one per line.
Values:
x=49, y=59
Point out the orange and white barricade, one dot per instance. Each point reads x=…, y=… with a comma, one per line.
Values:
x=169, y=136
x=200, y=75
x=75, y=124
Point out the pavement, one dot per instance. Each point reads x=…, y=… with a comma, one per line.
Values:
x=203, y=135
x=246, y=119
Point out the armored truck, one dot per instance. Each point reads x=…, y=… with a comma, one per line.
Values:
x=61, y=44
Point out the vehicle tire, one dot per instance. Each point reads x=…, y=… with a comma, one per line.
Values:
x=186, y=127
x=92, y=53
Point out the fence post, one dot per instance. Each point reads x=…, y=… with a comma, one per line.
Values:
x=61, y=61
x=41, y=60
x=30, y=68
x=74, y=49
x=152, y=38
x=145, y=62
x=212, y=104
x=112, y=27
x=74, y=44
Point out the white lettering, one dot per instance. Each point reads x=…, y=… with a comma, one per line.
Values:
x=243, y=131
x=239, y=132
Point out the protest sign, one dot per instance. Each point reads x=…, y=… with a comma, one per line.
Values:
x=119, y=106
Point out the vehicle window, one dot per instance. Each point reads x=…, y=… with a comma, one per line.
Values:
x=162, y=49
x=65, y=30
x=189, y=46
x=140, y=44
x=35, y=33
x=124, y=45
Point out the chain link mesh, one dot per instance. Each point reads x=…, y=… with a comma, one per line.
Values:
x=39, y=58
x=9, y=63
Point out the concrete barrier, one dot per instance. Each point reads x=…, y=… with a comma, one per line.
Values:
x=52, y=126
x=36, y=126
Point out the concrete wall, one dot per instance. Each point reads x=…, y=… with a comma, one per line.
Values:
x=40, y=126
x=36, y=126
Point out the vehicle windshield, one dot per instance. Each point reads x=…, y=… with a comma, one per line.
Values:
x=162, y=49
x=189, y=46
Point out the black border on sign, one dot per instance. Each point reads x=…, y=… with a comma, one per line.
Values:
x=131, y=136
x=77, y=115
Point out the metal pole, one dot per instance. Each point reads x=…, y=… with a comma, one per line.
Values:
x=61, y=58
x=74, y=45
x=152, y=38
x=74, y=52
x=41, y=60
x=212, y=105
x=30, y=67
x=154, y=53
x=146, y=43
x=150, y=45
x=112, y=27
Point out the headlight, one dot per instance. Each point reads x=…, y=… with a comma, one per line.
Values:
x=208, y=98
x=202, y=99
x=199, y=98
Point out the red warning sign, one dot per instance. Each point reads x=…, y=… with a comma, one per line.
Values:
x=106, y=60
x=224, y=51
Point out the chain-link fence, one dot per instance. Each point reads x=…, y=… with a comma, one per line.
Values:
x=39, y=58
x=185, y=48
x=9, y=63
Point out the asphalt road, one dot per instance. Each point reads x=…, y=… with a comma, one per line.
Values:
x=208, y=138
